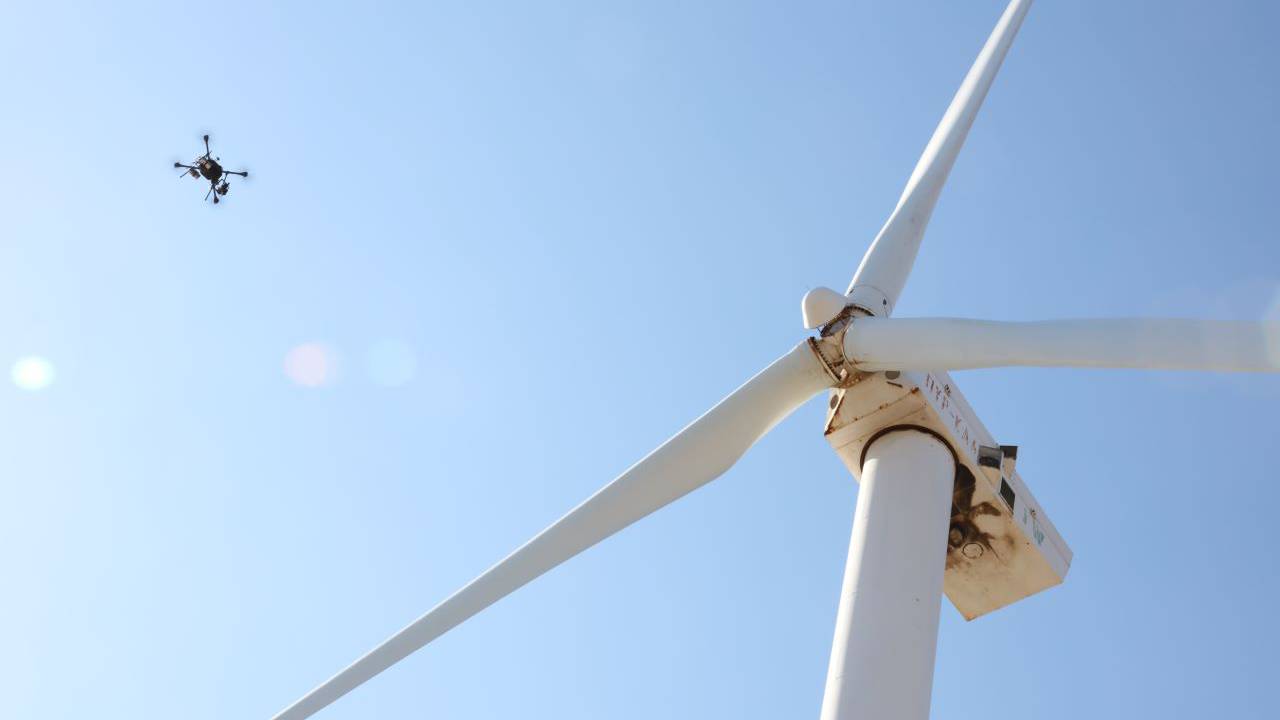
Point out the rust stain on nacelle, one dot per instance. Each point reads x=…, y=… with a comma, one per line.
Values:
x=1001, y=546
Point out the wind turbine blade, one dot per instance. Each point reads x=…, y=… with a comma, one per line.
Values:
x=1149, y=344
x=884, y=269
x=693, y=457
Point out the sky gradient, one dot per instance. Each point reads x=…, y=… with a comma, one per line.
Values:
x=525, y=244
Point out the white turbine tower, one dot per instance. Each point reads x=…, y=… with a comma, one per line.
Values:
x=941, y=507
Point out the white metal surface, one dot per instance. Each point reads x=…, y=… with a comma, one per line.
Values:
x=690, y=459
x=1164, y=344
x=820, y=306
x=1006, y=546
x=884, y=269
x=887, y=625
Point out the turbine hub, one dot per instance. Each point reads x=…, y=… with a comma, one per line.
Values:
x=820, y=306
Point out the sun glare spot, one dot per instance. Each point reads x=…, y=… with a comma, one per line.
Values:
x=311, y=364
x=32, y=373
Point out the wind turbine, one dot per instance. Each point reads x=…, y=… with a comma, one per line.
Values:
x=941, y=507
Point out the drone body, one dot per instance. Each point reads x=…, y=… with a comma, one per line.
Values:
x=208, y=167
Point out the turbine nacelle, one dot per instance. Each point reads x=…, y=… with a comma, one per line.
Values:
x=1001, y=546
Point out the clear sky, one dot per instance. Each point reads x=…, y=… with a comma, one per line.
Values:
x=519, y=245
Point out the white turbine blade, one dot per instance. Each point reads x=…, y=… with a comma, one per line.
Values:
x=1155, y=344
x=885, y=267
x=693, y=457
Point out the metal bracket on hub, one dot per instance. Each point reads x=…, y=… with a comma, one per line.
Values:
x=829, y=348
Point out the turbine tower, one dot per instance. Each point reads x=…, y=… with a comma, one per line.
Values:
x=941, y=508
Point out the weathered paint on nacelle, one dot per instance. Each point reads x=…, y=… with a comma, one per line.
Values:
x=1001, y=546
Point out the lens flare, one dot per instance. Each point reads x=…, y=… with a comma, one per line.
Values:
x=32, y=373
x=311, y=365
x=391, y=363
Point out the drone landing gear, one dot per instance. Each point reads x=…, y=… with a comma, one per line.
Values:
x=218, y=189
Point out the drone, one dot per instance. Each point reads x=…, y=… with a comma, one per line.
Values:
x=208, y=167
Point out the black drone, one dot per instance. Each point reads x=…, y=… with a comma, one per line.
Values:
x=207, y=166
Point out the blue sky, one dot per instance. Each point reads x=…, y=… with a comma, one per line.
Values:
x=588, y=222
